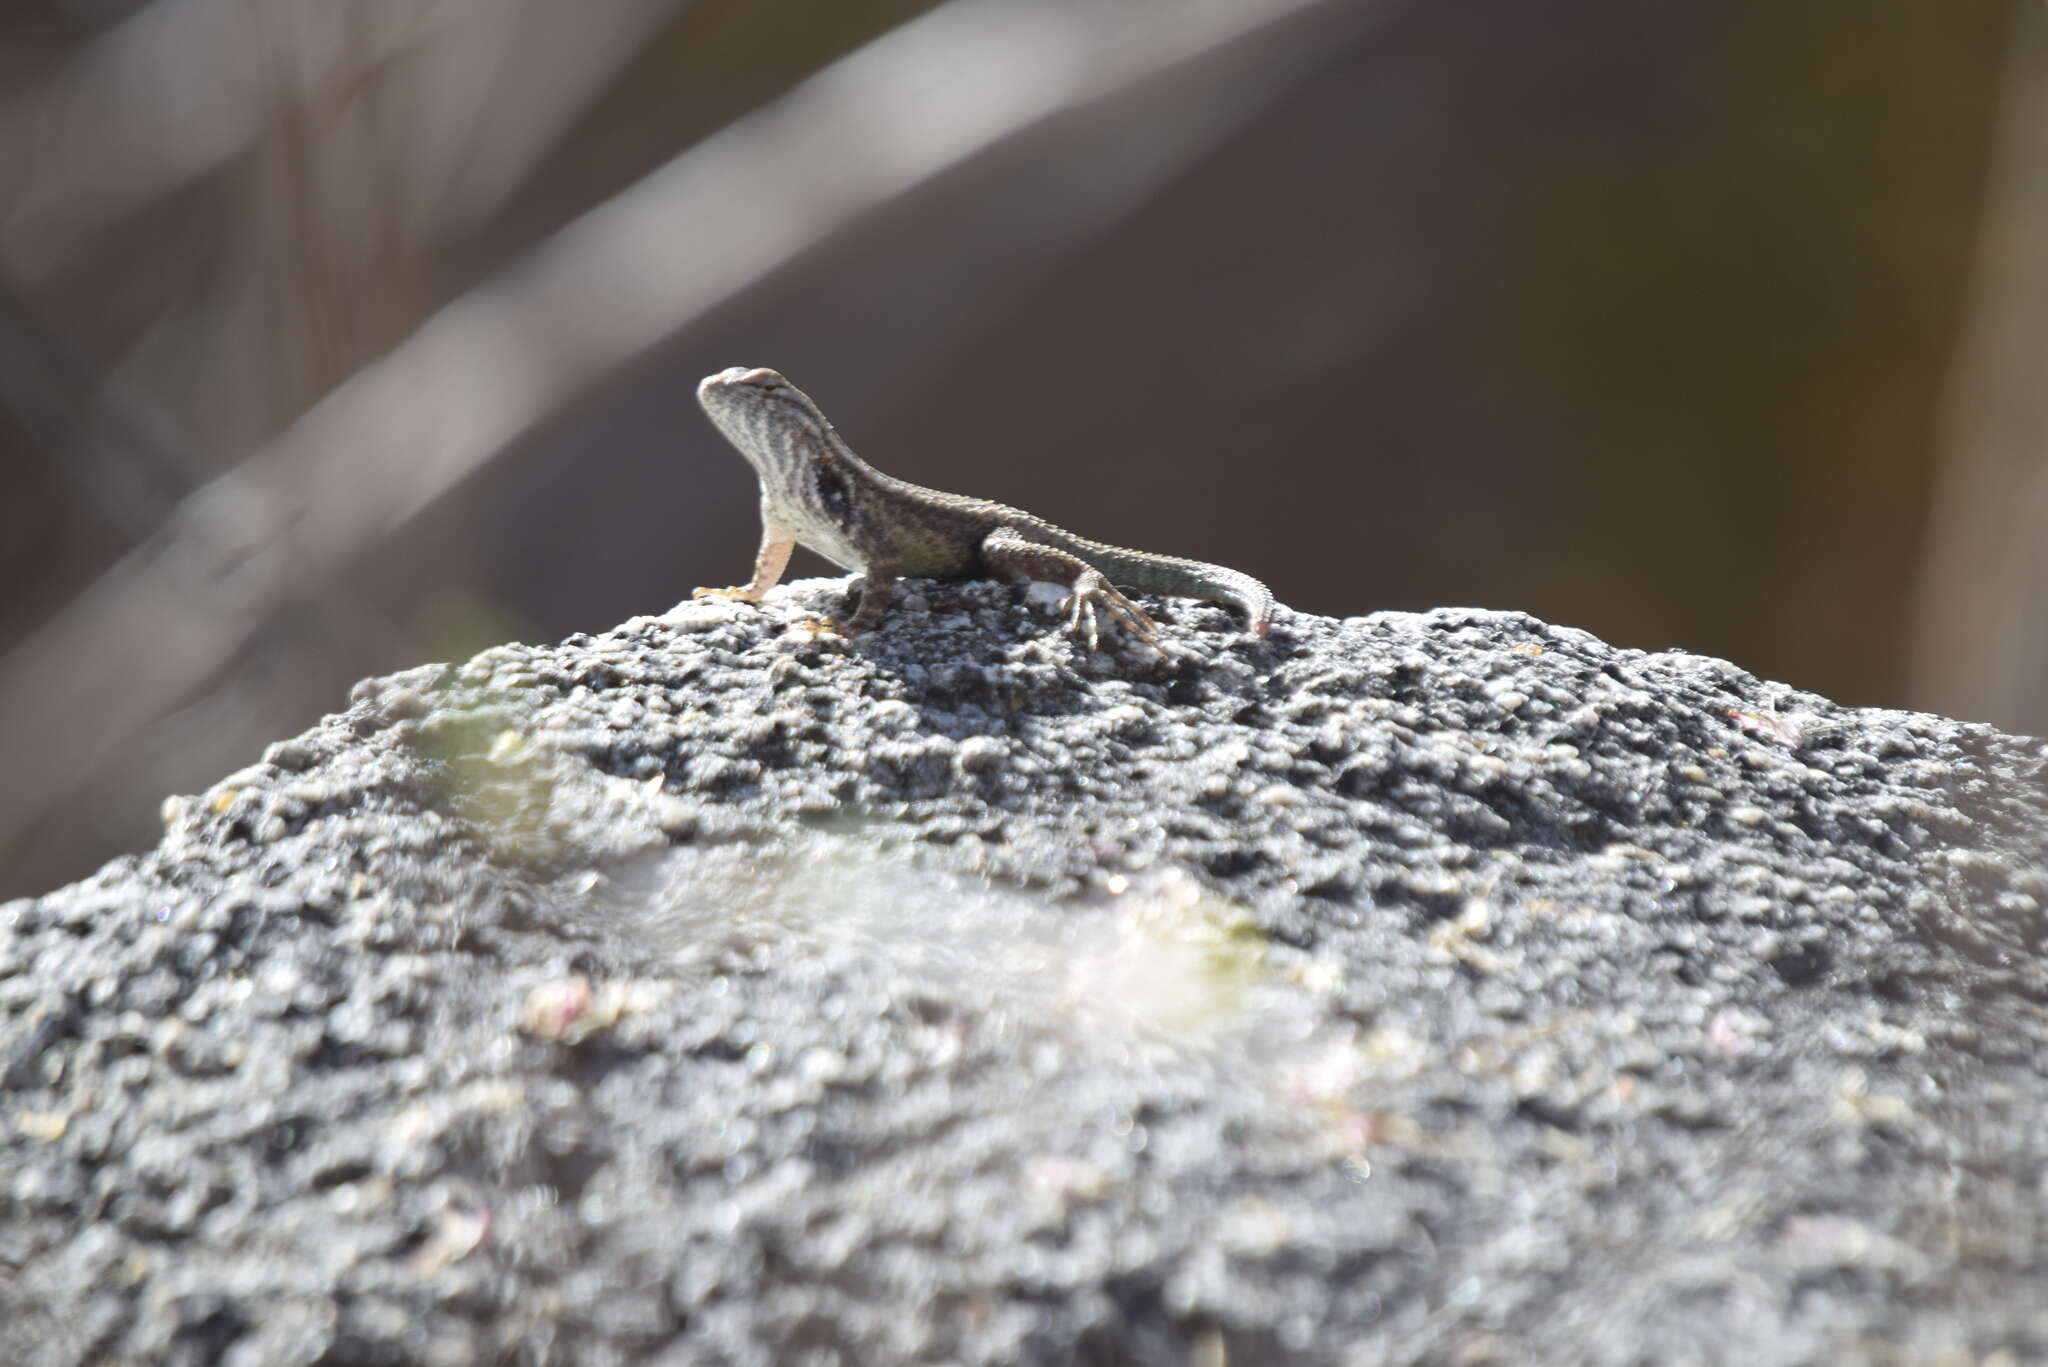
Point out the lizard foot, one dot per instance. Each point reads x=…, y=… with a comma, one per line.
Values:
x=824, y=626
x=1093, y=592
x=743, y=592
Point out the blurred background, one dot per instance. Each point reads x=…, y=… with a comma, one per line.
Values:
x=339, y=338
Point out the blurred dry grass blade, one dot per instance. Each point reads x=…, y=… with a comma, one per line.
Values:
x=211, y=214
x=1980, y=641
x=602, y=293
x=184, y=86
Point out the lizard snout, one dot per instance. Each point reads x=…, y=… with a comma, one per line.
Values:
x=733, y=377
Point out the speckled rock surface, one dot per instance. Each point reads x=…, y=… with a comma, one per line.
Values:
x=1442, y=988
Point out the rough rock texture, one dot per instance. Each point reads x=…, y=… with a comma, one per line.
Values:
x=1449, y=988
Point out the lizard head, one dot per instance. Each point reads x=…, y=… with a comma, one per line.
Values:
x=772, y=422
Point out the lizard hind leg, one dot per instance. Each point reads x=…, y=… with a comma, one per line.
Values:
x=1089, y=593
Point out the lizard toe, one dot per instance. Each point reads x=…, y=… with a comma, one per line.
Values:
x=825, y=626
x=1085, y=604
x=1080, y=609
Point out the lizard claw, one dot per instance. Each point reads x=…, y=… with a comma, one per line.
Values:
x=743, y=592
x=1093, y=592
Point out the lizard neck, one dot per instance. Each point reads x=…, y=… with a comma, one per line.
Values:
x=814, y=482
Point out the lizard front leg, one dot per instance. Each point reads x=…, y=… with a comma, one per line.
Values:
x=769, y=563
x=1011, y=555
x=875, y=591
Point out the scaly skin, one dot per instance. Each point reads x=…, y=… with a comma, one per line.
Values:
x=814, y=489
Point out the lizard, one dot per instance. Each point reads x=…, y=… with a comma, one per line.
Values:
x=815, y=490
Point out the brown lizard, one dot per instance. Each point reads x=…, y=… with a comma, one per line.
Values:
x=814, y=489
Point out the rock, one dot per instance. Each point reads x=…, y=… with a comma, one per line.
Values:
x=1410, y=988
